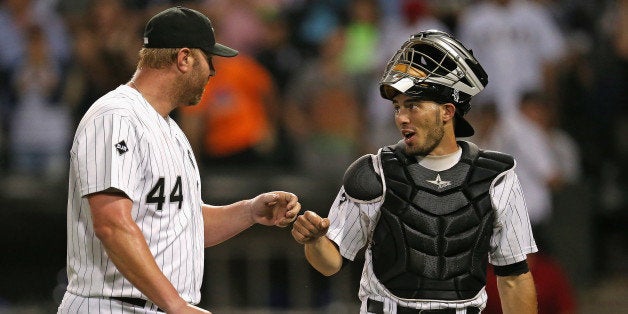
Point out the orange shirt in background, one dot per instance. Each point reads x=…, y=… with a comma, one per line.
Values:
x=233, y=106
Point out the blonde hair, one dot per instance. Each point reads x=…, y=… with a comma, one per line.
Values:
x=157, y=58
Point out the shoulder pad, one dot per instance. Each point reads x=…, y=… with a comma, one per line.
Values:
x=361, y=182
x=495, y=160
x=470, y=151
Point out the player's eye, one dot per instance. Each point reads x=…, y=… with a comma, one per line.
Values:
x=413, y=106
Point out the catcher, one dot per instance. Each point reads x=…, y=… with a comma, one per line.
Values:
x=431, y=210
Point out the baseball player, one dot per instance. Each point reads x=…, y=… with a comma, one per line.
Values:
x=137, y=226
x=430, y=210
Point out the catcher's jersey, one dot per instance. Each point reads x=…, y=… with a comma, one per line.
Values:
x=124, y=144
x=352, y=223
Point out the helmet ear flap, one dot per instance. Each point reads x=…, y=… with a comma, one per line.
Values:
x=463, y=107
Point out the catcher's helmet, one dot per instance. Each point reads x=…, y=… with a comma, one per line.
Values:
x=435, y=66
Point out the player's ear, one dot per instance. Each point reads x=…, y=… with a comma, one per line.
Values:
x=448, y=111
x=185, y=59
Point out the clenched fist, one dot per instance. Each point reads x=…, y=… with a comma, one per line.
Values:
x=309, y=227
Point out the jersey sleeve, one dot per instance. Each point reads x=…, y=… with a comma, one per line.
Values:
x=512, y=236
x=348, y=225
x=106, y=155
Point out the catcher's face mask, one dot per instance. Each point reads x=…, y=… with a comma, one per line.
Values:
x=435, y=66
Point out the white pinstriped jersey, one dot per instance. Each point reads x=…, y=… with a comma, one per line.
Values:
x=352, y=223
x=124, y=144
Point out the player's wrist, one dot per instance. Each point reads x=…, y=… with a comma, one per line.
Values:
x=317, y=242
x=177, y=305
x=250, y=210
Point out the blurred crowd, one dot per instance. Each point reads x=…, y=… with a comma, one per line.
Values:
x=302, y=96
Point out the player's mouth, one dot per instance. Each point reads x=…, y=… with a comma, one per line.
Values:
x=408, y=135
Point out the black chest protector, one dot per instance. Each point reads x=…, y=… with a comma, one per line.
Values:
x=432, y=238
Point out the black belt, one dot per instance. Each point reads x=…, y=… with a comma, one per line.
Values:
x=135, y=301
x=377, y=307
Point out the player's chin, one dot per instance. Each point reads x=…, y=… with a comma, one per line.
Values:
x=195, y=101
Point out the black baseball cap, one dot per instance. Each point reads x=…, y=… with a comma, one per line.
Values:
x=179, y=27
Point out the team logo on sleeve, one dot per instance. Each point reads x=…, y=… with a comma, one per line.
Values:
x=121, y=147
x=343, y=198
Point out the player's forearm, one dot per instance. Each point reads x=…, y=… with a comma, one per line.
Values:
x=323, y=255
x=517, y=294
x=223, y=222
x=128, y=250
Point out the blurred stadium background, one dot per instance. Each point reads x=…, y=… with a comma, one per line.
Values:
x=319, y=61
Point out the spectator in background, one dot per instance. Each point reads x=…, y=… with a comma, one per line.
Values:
x=104, y=42
x=412, y=16
x=323, y=113
x=315, y=20
x=361, y=39
x=518, y=43
x=603, y=142
x=523, y=134
x=567, y=199
x=620, y=42
x=361, y=42
x=484, y=121
x=282, y=59
x=17, y=17
x=240, y=21
x=277, y=52
x=599, y=123
x=234, y=123
x=563, y=147
x=40, y=127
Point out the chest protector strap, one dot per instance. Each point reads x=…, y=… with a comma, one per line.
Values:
x=432, y=238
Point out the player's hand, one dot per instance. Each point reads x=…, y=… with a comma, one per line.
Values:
x=193, y=309
x=309, y=227
x=188, y=309
x=275, y=208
